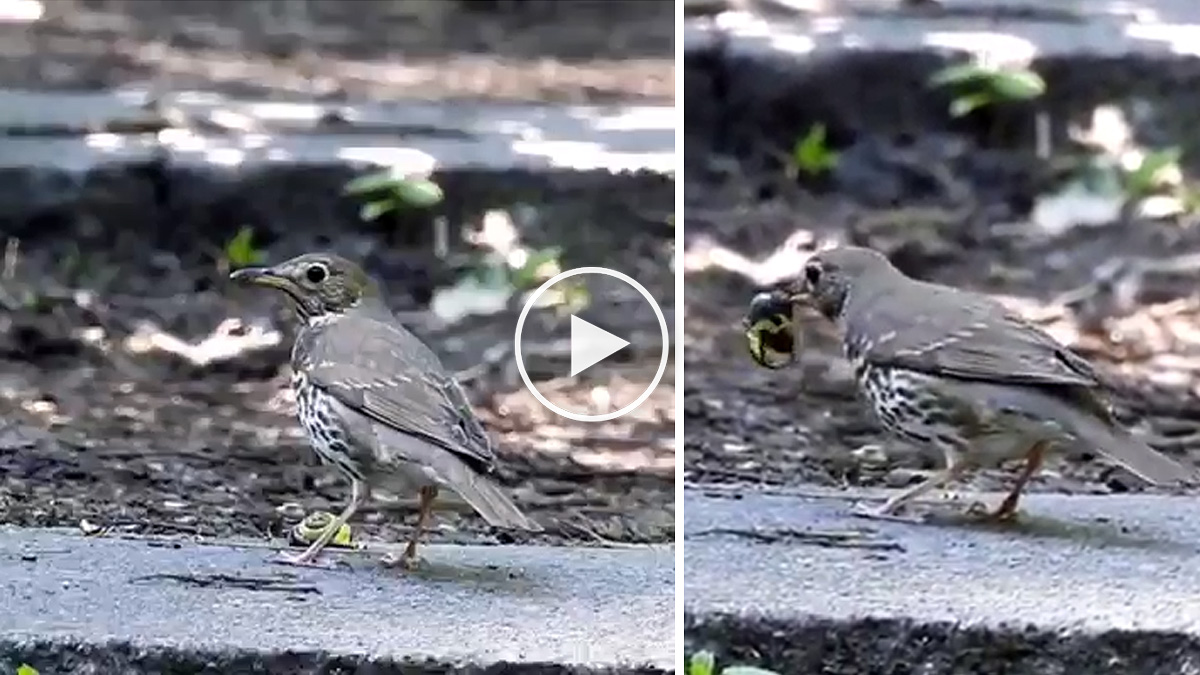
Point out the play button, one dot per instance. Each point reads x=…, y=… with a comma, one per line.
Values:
x=591, y=344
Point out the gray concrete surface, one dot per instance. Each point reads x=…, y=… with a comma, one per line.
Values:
x=987, y=27
x=1093, y=575
x=76, y=131
x=118, y=600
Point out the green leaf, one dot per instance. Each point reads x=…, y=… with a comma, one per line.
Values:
x=373, y=182
x=374, y=210
x=959, y=74
x=240, y=250
x=1143, y=180
x=1018, y=85
x=964, y=105
x=747, y=670
x=419, y=192
x=701, y=663
x=812, y=154
x=26, y=669
x=531, y=273
x=1157, y=160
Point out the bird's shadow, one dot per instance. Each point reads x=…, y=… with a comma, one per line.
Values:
x=1099, y=533
x=432, y=568
x=492, y=578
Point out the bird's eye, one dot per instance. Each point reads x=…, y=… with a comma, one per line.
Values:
x=316, y=273
x=813, y=274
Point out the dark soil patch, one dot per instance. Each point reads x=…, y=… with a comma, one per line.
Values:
x=102, y=422
x=940, y=200
x=536, y=50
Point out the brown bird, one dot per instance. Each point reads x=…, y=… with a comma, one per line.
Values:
x=376, y=403
x=957, y=371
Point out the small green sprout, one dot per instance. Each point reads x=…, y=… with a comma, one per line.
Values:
x=541, y=264
x=981, y=86
x=26, y=669
x=812, y=154
x=1151, y=174
x=387, y=191
x=240, y=250
x=704, y=663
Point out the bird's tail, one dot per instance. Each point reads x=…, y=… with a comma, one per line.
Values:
x=486, y=497
x=1122, y=447
x=450, y=471
x=1094, y=433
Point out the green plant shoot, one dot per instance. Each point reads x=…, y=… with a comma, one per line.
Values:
x=701, y=663
x=812, y=153
x=386, y=192
x=981, y=86
x=240, y=250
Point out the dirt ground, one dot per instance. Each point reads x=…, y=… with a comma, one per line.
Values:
x=102, y=421
x=1106, y=291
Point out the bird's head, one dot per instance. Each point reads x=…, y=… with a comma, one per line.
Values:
x=319, y=285
x=830, y=277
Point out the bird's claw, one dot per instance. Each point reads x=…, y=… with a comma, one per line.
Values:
x=1000, y=516
x=862, y=510
x=405, y=562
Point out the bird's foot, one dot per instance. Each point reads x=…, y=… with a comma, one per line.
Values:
x=885, y=512
x=300, y=560
x=406, y=562
x=1004, y=514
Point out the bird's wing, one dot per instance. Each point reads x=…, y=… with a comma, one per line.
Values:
x=386, y=373
x=965, y=335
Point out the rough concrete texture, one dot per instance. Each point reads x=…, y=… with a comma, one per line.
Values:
x=99, y=605
x=80, y=131
x=1082, y=584
x=747, y=78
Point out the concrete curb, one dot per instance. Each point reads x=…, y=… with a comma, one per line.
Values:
x=1095, y=584
x=102, y=605
x=78, y=132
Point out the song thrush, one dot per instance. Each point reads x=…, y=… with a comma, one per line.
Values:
x=956, y=370
x=376, y=403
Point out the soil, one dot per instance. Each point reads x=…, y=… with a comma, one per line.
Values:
x=111, y=417
x=963, y=223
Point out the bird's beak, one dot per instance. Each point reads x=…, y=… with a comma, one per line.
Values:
x=791, y=290
x=261, y=276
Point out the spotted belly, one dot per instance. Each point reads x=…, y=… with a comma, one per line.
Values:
x=906, y=405
x=324, y=431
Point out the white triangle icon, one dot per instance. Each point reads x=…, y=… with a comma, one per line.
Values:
x=591, y=344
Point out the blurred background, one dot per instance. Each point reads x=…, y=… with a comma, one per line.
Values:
x=455, y=148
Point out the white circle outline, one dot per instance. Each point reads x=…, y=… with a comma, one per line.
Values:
x=662, y=323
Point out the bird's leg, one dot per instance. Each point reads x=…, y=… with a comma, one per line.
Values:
x=1033, y=461
x=358, y=495
x=428, y=494
x=408, y=559
x=890, y=508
